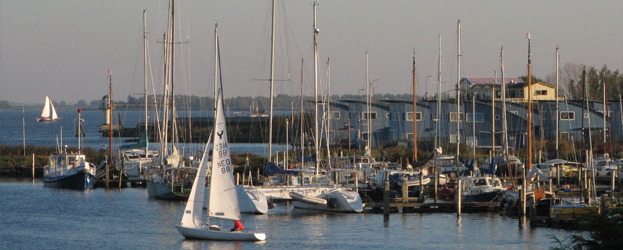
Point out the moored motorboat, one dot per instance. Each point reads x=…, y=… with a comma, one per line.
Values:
x=480, y=189
x=69, y=170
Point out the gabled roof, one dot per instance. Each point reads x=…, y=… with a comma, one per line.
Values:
x=490, y=80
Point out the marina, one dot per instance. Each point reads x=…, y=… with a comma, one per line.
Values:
x=483, y=162
x=128, y=219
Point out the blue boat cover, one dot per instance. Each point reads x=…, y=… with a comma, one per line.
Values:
x=272, y=169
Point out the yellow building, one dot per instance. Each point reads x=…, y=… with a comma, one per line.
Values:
x=483, y=89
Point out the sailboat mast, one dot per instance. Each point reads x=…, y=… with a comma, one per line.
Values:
x=458, y=93
x=272, y=81
x=495, y=82
x=110, y=104
x=605, y=114
x=529, y=163
x=302, y=114
x=437, y=125
x=504, y=125
x=316, y=142
x=557, y=107
x=172, y=72
x=414, y=110
x=368, y=115
x=328, y=112
x=145, y=76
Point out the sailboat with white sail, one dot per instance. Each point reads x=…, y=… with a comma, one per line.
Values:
x=223, y=201
x=49, y=112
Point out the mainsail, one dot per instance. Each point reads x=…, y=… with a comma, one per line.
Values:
x=223, y=201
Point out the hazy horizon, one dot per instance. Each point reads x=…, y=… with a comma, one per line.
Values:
x=63, y=49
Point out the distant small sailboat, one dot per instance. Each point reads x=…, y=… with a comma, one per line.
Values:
x=49, y=113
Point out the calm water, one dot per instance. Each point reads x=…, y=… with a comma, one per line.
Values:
x=34, y=217
x=13, y=122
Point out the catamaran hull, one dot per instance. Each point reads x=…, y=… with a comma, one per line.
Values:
x=207, y=234
x=78, y=181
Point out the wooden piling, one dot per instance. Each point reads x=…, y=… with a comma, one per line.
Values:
x=421, y=196
x=457, y=190
x=33, y=166
x=386, y=195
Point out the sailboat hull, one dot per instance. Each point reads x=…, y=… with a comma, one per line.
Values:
x=250, y=200
x=208, y=234
x=338, y=200
x=46, y=119
x=166, y=191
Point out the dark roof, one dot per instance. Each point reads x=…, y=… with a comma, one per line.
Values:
x=491, y=80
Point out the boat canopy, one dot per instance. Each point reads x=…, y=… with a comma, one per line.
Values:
x=273, y=169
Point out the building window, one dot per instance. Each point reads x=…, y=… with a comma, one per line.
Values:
x=541, y=92
x=453, y=138
x=564, y=135
x=454, y=117
x=335, y=115
x=470, y=117
x=410, y=136
x=567, y=115
x=364, y=115
x=332, y=134
x=364, y=136
x=418, y=116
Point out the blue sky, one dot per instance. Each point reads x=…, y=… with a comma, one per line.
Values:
x=64, y=48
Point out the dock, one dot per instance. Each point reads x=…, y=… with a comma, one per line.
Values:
x=414, y=206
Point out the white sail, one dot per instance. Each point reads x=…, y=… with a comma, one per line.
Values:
x=223, y=201
x=53, y=114
x=194, y=206
x=46, y=108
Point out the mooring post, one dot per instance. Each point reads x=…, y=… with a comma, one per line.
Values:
x=457, y=190
x=405, y=194
x=33, y=167
x=386, y=195
x=421, y=196
x=613, y=180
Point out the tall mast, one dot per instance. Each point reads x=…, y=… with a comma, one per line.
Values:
x=272, y=81
x=110, y=104
x=328, y=111
x=368, y=115
x=605, y=115
x=145, y=75
x=495, y=82
x=301, y=122
x=316, y=142
x=529, y=163
x=414, y=111
x=216, y=65
x=458, y=93
x=557, y=107
x=437, y=125
x=172, y=72
x=504, y=125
